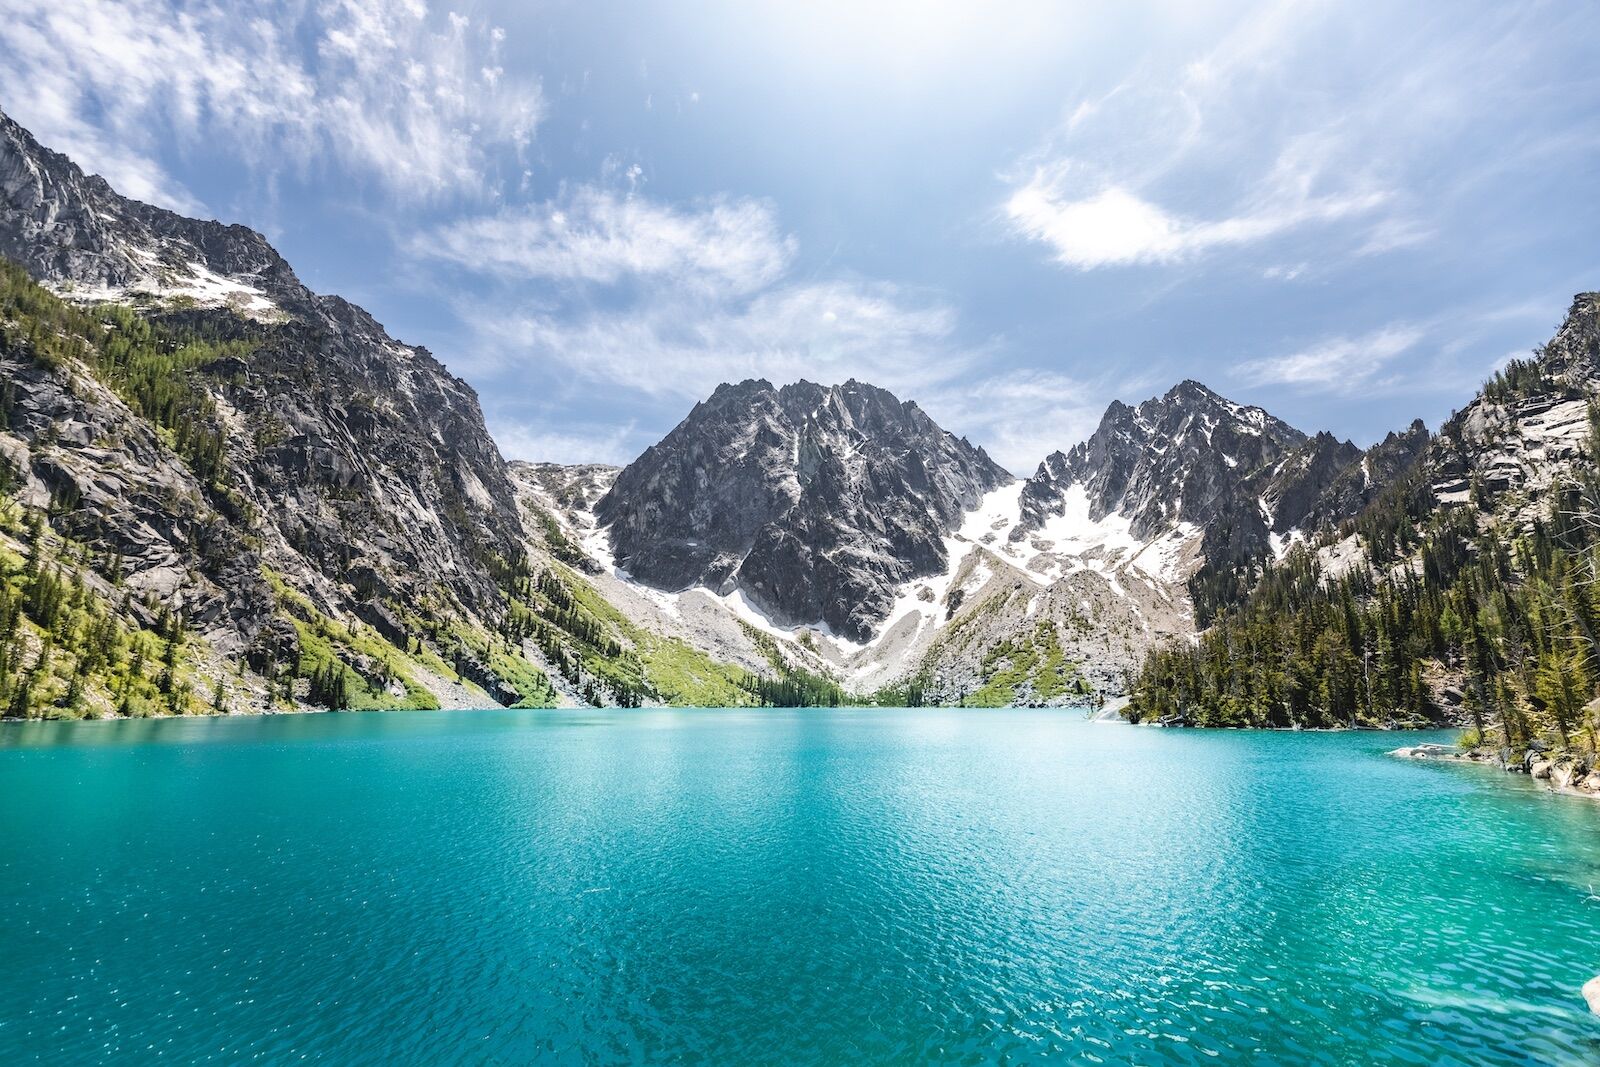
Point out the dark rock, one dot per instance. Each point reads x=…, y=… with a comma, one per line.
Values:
x=1180, y=457
x=815, y=501
x=343, y=446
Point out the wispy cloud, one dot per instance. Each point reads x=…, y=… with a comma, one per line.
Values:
x=413, y=104
x=596, y=235
x=1337, y=364
x=668, y=302
x=1020, y=416
x=1114, y=227
x=583, y=443
x=1306, y=117
x=683, y=344
x=1446, y=354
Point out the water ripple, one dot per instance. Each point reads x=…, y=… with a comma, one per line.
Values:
x=783, y=887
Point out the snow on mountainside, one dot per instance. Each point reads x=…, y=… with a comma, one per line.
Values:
x=1171, y=458
x=813, y=503
x=348, y=520
x=1108, y=594
x=85, y=241
x=323, y=511
x=1098, y=554
x=1020, y=555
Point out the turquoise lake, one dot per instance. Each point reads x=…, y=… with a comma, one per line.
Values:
x=794, y=887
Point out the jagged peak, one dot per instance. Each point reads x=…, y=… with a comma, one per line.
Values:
x=75, y=233
x=1417, y=428
x=1191, y=387
x=743, y=387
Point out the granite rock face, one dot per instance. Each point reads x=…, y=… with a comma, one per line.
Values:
x=1245, y=482
x=1180, y=457
x=1360, y=482
x=813, y=501
x=357, y=467
x=74, y=231
x=1524, y=436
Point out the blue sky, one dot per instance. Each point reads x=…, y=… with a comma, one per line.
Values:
x=1348, y=213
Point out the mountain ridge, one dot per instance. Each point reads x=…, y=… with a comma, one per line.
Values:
x=827, y=498
x=298, y=510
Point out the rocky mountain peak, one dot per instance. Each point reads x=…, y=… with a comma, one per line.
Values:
x=74, y=231
x=1173, y=458
x=1573, y=354
x=815, y=502
x=341, y=446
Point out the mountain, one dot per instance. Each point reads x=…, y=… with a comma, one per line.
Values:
x=1456, y=588
x=1358, y=484
x=814, y=502
x=222, y=491
x=1237, y=481
x=339, y=465
x=1176, y=458
x=896, y=557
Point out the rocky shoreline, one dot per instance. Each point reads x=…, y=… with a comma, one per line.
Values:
x=1564, y=772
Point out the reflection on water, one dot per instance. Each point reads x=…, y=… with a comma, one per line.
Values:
x=780, y=886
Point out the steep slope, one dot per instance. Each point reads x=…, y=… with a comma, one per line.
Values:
x=1461, y=590
x=380, y=454
x=1358, y=484
x=255, y=496
x=76, y=234
x=815, y=503
x=1177, y=458
x=266, y=462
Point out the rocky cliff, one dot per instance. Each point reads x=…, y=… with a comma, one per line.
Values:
x=815, y=502
x=221, y=490
x=1441, y=583
x=257, y=456
x=1179, y=457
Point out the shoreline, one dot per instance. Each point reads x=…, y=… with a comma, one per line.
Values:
x=1096, y=714
x=1561, y=772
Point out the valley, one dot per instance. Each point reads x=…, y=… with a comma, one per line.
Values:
x=226, y=493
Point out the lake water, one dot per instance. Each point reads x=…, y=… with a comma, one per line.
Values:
x=780, y=887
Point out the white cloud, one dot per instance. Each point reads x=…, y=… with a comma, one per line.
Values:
x=1113, y=227
x=592, y=235
x=681, y=344
x=1338, y=364
x=670, y=301
x=664, y=303
x=59, y=125
x=374, y=87
x=1306, y=114
x=1090, y=220
x=1285, y=272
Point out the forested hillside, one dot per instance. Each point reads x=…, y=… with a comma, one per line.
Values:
x=1466, y=592
x=111, y=422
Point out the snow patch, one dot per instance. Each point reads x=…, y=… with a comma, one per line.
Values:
x=1067, y=544
x=205, y=287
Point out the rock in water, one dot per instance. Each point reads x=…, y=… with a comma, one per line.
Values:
x=1591, y=993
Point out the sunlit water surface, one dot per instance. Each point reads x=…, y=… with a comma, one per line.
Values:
x=780, y=887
